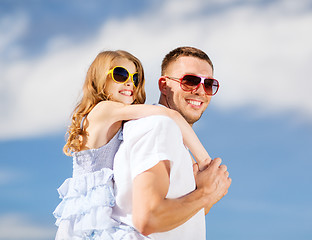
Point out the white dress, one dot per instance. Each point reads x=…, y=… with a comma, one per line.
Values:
x=88, y=197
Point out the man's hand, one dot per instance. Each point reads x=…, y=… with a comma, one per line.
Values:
x=212, y=179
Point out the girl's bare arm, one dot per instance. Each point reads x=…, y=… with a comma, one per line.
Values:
x=117, y=111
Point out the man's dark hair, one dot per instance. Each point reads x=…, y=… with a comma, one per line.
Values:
x=183, y=52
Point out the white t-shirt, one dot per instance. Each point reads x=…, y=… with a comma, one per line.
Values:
x=146, y=142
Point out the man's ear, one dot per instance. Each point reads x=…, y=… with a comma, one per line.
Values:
x=162, y=85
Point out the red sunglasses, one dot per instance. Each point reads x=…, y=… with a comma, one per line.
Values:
x=190, y=83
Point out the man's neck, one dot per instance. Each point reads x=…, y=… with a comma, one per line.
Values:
x=163, y=101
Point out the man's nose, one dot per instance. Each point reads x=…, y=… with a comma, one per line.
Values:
x=200, y=90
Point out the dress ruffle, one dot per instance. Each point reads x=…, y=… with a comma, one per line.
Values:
x=86, y=206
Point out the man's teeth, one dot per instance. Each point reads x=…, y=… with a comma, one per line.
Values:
x=196, y=103
x=128, y=93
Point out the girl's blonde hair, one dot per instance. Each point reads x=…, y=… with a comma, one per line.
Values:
x=93, y=93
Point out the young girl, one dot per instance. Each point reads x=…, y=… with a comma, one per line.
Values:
x=113, y=92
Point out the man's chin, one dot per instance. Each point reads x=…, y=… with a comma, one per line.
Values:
x=192, y=118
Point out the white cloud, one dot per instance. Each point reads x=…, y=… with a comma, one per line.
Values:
x=261, y=56
x=264, y=58
x=19, y=227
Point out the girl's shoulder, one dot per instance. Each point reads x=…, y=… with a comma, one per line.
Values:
x=106, y=113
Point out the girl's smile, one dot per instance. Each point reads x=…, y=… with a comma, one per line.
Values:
x=126, y=92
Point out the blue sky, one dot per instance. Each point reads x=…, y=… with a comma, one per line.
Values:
x=260, y=122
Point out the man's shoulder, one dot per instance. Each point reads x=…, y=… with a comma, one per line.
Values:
x=156, y=123
x=152, y=120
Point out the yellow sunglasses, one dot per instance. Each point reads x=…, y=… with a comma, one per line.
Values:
x=121, y=75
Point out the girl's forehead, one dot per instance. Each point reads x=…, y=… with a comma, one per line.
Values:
x=124, y=62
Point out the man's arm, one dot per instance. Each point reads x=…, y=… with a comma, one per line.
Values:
x=153, y=212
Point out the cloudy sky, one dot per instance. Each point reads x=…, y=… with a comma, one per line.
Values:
x=260, y=122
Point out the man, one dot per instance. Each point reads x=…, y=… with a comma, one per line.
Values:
x=158, y=189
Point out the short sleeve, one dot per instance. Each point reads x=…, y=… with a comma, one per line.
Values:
x=151, y=140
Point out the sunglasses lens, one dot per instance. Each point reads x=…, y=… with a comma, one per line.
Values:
x=135, y=79
x=211, y=86
x=120, y=74
x=189, y=82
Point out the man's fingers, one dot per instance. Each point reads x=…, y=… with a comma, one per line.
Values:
x=223, y=168
x=215, y=163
